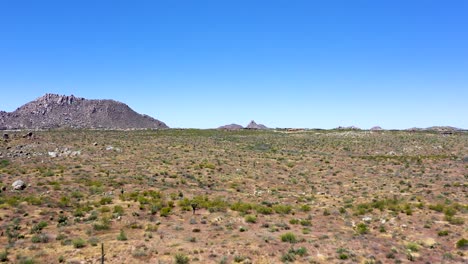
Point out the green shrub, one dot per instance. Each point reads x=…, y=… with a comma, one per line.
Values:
x=78, y=243
x=118, y=210
x=305, y=208
x=38, y=227
x=282, y=209
x=288, y=257
x=412, y=247
x=462, y=243
x=251, y=219
x=40, y=238
x=4, y=163
x=4, y=256
x=443, y=233
x=122, y=236
x=288, y=237
x=165, y=211
x=105, y=200
x=181, y=259
x=362, y=228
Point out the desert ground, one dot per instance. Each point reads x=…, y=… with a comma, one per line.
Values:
x=209, y=196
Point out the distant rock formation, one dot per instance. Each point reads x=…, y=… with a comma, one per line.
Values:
x=231, y=127
x=253, y=125
x=60, y=111
x=376, y=128
x=348, y=128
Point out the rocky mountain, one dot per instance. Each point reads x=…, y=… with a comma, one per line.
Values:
x=60, y=111
x=231, y=127
x=253, y=125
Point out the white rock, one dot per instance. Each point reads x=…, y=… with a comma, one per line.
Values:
x=18, y=185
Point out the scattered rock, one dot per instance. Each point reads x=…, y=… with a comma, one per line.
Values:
x=18, y=185
x=367, y=219
x=6, y=136
x=28, y=135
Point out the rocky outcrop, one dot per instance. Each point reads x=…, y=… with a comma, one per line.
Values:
x=231, y=127
x=61, y=111
x=253, y=125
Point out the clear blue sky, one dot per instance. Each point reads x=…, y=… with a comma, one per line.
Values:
x=393, y=63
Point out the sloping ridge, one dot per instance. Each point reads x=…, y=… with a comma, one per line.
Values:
x=61, y=111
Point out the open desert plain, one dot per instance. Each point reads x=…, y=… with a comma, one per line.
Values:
x=248, y=196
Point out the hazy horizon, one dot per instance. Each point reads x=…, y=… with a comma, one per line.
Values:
x=204, y=64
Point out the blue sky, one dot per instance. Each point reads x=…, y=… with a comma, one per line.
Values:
x=202, y=64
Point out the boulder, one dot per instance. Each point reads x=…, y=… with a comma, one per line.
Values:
x=18, y=185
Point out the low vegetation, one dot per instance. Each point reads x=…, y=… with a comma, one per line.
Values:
x=206, y=196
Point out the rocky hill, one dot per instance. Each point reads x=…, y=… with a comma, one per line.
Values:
x=231, y=127
x=60, y=111
x=253, y=125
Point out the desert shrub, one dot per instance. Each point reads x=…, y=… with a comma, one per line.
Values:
x=455, y=220
x=40, y=238
x=62, y=220
x=4, y=163
x=462, y=243
x=122, y=236
x=305, y=208
x=78, y=243
x=165, y=211
x=443, y=233
x=288, y=257
x=282, y=209
x=37, y=228
x=64, y=201
x=362, y=228
x=263, y=209
x=302, y=251
x=105, y=209
x=104, y=225
x=93, y=241
x=294, y=221
x=437, y=207
x=241, y=207
x=118, y=210
x=181, y=258
x=251, y=219
x=4, y=256
x=288, y=237
x=239, y=258
x=105, y=200
x=412, y=247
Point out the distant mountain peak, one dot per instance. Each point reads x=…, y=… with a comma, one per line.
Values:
x=231, y=127
x=57, y=111
x=253, y=125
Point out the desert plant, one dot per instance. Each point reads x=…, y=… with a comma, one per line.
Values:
x=251, y=219
x=288, y=237
x=122, y=236
x=462, y=243
x=78, y=243
x=181, y=259
x=362, y=228
x=4, y=256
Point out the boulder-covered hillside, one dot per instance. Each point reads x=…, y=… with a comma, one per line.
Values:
x=61, y=111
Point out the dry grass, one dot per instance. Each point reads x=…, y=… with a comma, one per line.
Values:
x=259, y=196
